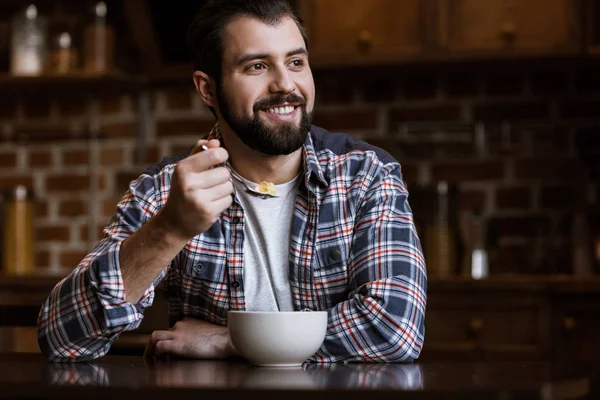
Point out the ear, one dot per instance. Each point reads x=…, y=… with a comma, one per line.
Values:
x=206, y=88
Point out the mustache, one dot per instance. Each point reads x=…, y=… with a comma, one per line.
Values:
x=279, y=99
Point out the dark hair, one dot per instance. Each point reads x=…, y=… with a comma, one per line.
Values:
x=205, y=33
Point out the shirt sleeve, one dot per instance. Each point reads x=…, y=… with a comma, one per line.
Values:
x=383, y=318
x=86, y=311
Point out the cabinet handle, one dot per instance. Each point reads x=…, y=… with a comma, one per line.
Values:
x=475, y=326
x=508, y=33
x=569, y=323
x=365, y=40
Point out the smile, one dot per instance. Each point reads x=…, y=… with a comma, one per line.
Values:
x=285, y=110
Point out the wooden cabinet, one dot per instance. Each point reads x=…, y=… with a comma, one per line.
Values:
x=391, y=31
x=365, y=31
x=513, y=319
x=474, y=26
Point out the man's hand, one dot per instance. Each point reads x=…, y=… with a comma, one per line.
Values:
x=192, y=338
x=200, y=191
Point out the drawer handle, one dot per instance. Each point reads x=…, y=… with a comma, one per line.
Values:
x=476, y=326
x=569, y=323
x=508, y=33
x=365, y=40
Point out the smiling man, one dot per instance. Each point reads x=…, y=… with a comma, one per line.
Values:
x=267, y=212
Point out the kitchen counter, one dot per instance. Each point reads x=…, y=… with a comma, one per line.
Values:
x=30, y=376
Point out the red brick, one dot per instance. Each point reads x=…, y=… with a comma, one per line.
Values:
x=123, y=180
x=41, y=208
x=42, y=259
x=334, y=87
x=67, y=183
x=178, y=99
x=75, y=157
x=420, y=86
x=102, y=181
x=424, y=113
x=513, y=198
x=152, y=154
x=10, y=182
x=558, y=197
x=428, y=150
x=83, y=233
x=112, y=156
x=504, y=84
x=52, y=234
x=410, y=173
x=71, y=104
x=119, y=130
x=195, y=126
x=8, y=159
x=43, y=133
x=463, y=172
x=70, y=258
x=520, y=226
x=547, y=168
x=549, y=83
x=111, y=104
x=109, y=206
x=460, y=84
x=473, y=200
x=511, y=111
x=72, y=208
x=581, y=109
x=39, y=158
x=346, y=120
x=37, y=107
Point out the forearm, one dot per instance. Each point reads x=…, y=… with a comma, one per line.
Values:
x=145, y=254
x=370, y=327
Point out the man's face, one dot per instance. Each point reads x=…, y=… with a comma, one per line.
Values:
x=266, y=95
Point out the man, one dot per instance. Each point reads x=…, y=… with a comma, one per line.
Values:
x=267, y=213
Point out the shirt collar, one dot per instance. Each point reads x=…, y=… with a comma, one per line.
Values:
x=311, y=162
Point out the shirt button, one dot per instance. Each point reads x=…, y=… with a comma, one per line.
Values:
x=198, y=267
x=235, y=284
x=335, y=254
x=236, y=220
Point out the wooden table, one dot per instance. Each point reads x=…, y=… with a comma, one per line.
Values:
x=30, y=376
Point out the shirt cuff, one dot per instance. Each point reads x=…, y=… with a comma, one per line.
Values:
x=106, y=277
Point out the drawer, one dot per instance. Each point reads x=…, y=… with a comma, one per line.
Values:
x=483, y=328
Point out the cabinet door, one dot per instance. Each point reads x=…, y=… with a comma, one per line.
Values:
x=363, y=31
x=523, y=26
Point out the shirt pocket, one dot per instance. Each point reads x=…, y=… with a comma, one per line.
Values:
x=330, y=278
x=205, y=290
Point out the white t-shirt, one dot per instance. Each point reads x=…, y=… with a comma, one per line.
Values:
x=267, y=232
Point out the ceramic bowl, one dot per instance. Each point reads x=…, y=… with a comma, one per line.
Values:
x=277, y=339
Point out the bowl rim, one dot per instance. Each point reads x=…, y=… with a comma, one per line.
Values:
x=276, y=312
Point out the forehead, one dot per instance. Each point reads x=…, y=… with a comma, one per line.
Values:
x=247, y=35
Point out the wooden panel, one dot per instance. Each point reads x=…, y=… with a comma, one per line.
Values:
x=492, y=25
x=362, y=31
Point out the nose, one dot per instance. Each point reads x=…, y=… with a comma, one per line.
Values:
x=282, y=82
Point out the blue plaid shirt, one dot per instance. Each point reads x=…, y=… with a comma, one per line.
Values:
x=354, y=252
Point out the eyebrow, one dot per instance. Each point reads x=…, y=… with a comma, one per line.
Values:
x=262, y=56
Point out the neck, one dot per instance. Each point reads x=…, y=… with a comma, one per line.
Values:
x=257, y=167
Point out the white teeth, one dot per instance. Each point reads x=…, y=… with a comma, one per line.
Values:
x=281, y=110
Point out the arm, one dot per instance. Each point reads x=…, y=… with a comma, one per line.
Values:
x=383, y=318
x=108, y=292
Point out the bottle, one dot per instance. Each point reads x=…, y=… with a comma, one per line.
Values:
x=18, y=241
x=99, y=42
x=28, y=43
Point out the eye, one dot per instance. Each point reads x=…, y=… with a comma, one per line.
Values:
x=256, y=67
x=297, y=63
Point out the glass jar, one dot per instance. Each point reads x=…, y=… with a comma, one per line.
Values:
x=98, y=42
x=18, y=237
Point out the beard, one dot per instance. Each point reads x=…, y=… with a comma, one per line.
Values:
x=254, y=132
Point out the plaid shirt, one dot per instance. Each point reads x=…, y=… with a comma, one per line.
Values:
x=354, y=252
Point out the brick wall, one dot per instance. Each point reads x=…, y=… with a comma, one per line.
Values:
x=524, y=172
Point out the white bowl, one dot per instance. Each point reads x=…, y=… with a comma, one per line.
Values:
x=277, y=339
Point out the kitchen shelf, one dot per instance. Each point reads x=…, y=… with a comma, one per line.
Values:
x=75, y=80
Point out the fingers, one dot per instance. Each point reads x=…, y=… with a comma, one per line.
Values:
x=200, y=160
x=207, y=179
x=211, y=144
x=155, y=338
x=222, y=190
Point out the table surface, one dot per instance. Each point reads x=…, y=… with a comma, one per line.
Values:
x=30, y=376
